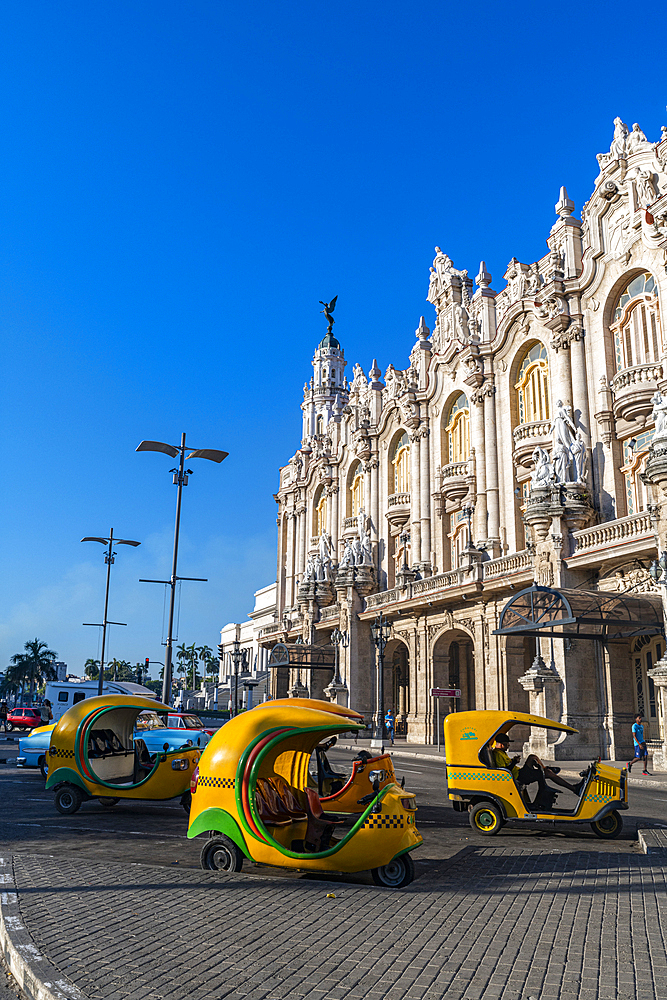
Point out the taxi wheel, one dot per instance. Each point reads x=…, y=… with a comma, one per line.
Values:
x=44, y=767
x=220, y=854
x=609, y=826
x=399, y=872
x=186, y=801
x=486, y=818
x=68, y=799
x=108, y=801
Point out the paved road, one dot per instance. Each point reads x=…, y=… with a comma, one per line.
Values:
x=155, y=833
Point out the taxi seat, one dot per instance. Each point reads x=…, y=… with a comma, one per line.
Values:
x=143, y=760
x=486, y=757
x=272, y=810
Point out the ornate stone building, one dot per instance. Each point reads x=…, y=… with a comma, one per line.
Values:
x=511, y=449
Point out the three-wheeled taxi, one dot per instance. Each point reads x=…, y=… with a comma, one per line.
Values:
x=94, y=754
x=251, y=796
x=492, y=795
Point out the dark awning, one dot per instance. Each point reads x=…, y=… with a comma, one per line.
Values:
x=302, y=656
x=581, y=614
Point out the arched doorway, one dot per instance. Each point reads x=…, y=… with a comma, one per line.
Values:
x=397, y=683
x=453, y=666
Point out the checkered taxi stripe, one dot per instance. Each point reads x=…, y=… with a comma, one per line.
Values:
x=604, y=792
x=207, y=780
x=478, y=775
x=384, y=821
x=59, y=752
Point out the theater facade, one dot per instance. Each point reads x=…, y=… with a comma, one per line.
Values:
x=518, y=447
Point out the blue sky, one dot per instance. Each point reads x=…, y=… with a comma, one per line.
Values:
x=179, y=185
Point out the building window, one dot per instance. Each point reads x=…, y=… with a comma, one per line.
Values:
x=357, y=491
x=458, y=535
x=533, y=386
x=636, y=326
x=319, y=426
x=401, y=463
x=321, y=515
x=646, y=653
x=635, y=452
x=458, y=430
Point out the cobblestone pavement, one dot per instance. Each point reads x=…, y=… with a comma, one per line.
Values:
x=8, y=988
x=493, y=923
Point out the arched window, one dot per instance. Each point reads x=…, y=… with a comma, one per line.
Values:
x=458, y=536
x=321, y=514
x=635, y=453
x=319, y=425
x=357, y=490
x=401, y=463
x=636, y=325
x=458, y=430
x=533, y=386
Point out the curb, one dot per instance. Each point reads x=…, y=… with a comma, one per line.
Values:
x=33, y=972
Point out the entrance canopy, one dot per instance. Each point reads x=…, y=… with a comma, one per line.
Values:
x=581, y=614
x=302, y=656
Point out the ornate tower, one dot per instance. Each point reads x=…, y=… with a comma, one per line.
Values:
x=327, y=392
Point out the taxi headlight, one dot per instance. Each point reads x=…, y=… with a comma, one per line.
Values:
x=377, y=776
x=410, y=803
x=180, y=765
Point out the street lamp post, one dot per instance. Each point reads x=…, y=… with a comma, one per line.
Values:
x=381, y=633
x=180, y=480
x=238, y=656
x=109, y=558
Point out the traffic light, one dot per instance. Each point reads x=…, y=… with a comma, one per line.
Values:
x=147, y=662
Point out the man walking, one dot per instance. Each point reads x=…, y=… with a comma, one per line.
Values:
x=389, y=723
x=641, y=751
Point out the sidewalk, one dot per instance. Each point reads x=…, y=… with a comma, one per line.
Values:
x=568, y=768
x=491, y=923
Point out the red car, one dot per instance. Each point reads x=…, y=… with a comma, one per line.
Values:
x=24, y=718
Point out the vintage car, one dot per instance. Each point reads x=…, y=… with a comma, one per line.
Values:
x=252, y=798
x=492, y=795
x=33, y=749
x=151, y=726
x=94, y=754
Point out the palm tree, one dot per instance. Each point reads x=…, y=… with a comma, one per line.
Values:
x=204, y=654
x=37, y=662
x=192, y=655
x=182, y=655
x=92, y=669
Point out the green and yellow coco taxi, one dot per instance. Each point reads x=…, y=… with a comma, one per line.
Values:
x=252, y=797
x=94, y=754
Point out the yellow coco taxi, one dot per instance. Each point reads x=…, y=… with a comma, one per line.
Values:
x=94, y=754
x=251, y=796
x=492, y=795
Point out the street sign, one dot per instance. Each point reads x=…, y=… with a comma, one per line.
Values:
x=445, y=692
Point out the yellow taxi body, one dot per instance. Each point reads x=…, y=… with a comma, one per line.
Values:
x=276, y=740
x=92, y=748
x=472, y=776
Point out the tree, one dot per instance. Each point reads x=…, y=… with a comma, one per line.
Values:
x=182, y=655
x=204, y=655
x=37, y=664
x=91, y=669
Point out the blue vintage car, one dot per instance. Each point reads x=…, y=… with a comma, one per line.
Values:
x=150, y=727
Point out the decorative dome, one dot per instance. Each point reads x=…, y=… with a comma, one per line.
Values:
x=329, y=341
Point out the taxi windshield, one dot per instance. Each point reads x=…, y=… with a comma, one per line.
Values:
x=148, y=720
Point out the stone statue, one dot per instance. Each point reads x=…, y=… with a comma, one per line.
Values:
x=579, y=458
x=543, y=473
x=309, y=572
x=347, y=559
x=357, y=552
x=363, y=555
x=636, y=137
x=359, y=380
x=561, y=462
x=318, y=569
x=659, y=416
x=328, y=312
x=324, y=548
x=433, y=287
x=646, y=189
x=563, y=433
x=460, y=317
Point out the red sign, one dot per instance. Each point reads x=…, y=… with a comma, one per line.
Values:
x=445, y=692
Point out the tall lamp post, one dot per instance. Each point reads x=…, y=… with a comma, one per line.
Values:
x=180, y=480
x=238, y=656
x=109, y=558
x=381, y=633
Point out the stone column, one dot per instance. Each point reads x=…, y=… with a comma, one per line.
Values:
x=303, y=530
x=579, y=384
x=415, y=497
x=561, y=369
x=478, y=442
x=491, y=453
x=375, y=509
x=542, y=685
x=334, y=492
x=367, y=490
x=289, y=569
x=658, y=675
x=425, y=500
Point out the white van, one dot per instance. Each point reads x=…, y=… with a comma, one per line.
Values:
x=64, y=694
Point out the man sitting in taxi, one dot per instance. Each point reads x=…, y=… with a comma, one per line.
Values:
x=532, y=770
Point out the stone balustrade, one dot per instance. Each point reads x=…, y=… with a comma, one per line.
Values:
x=538, y=429
x=612, y=532
x=349, y=522
x=384, y=597
x=633, y=389
x=440, y=582
x=454, y=470
x=398, y=500
x=270, y=630
x=636, y=376
x=332, y=611
x=506, y=565
x=314, y=541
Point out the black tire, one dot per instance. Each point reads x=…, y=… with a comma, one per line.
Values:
x=108, y=801
x=399, y=872
x=9, y=726
x=186, y=801
x=609, y=826
x=486, y=818
x=220, y=854
x=44, y=767
x=68, y=799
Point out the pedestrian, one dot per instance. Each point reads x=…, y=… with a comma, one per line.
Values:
x=641, y=751
x=3, y=714
x=46, y=712
x=389, y=723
